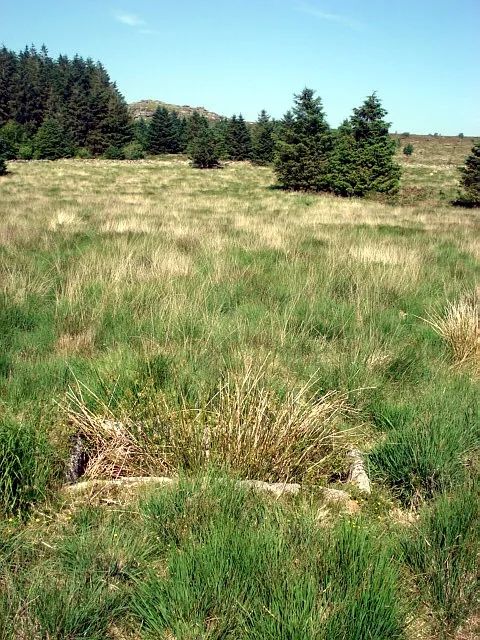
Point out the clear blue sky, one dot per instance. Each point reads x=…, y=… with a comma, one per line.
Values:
x=421, y=56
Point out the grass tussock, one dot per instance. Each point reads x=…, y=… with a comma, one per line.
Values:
x=443, y=554
x=459, y=327
x=251, y=431
x=246, y=428
x=25, y=466
x=427, y=456
x=112, y=448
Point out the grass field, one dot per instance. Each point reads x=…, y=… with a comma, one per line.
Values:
x=208, y=325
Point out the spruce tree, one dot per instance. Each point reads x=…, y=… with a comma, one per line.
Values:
x=163, y=132
x=78, y=92
x=263, y=139
x=364, y=157
x=239, y=141
x=196, y=124
x=12, y=136
x=203, y=149
x=3, y=165
x=304, y=147
x=470, y=177
x=140, y=133
x=220, y=130
x=51, y=141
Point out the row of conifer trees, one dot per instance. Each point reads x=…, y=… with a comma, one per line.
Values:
x=59, y=108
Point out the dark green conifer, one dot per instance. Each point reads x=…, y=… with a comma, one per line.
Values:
x=470, y=177
x=52, y=141
x=12, y=136
x=3, y=164
x=364, y=157
x=203, y=149
x=263, y=140
x=239, y=140
x=304, y=147
x=163, y=132
x=220, y=130
x=196, y=125
x=140, y=133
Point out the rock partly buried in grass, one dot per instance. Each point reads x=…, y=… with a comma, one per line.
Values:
x=276, y=488
x=357, y=474
x=342, y=498
x=78, y=460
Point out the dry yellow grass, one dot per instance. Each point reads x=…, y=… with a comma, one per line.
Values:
x=459, y=326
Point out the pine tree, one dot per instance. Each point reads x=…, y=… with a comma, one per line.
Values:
x=140, y=133
x=304, y=147
x=239, y=140
x=51, y=141
x=263, y=140
x=364, y=157
x=163, y=133
x=79, y=93
x=220, y=131
x=12, y=136
x=3, y=165
x=9, y=85
x=343, y=161
x=470, y=177
x=203, y=149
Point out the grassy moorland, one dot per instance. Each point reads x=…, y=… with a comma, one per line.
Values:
x=207, y=325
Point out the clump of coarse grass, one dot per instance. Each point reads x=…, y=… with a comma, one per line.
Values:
x=246, y=428
x=443, y=551
x=250, y=430
x=427, y=456
x=25, y=466
x=113, y=448
x=459, y=326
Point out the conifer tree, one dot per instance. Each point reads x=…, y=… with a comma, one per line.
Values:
x=220, y=131
x=470, y=179
x=52, y=141
x=3, y=165
x=304, y=147
x=364, y=157
x=163, y=132
x=77, y=92
x=195, y=126
x=239, y=141
x=263, y=139
x=140, y=133
x=9, y=85
x=12, y=136
x=203, y=149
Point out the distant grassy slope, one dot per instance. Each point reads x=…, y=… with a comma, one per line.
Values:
x=436, y=151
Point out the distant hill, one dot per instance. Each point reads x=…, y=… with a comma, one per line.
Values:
x=146, y=108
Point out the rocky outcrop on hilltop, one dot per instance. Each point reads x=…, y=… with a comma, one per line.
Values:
x=146, y=109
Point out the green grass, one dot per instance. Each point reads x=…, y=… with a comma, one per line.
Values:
x=443, y=555
x=205, y=559
x=26, y=463
x=192, y=307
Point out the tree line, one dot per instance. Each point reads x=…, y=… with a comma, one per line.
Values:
x=51, y=109
x=54, y=108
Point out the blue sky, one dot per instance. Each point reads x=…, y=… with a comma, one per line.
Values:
x=421, y=56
